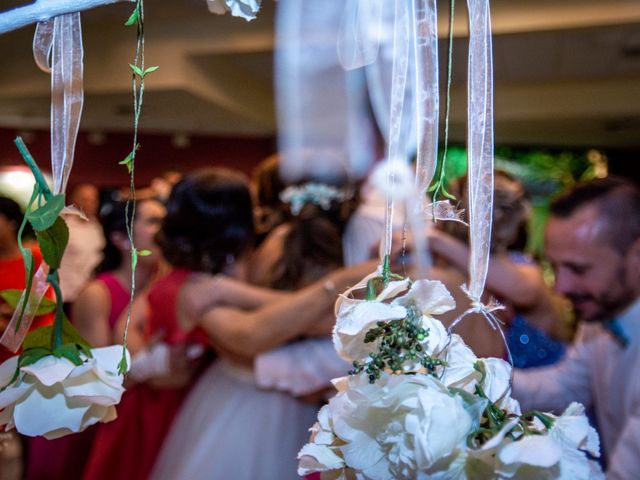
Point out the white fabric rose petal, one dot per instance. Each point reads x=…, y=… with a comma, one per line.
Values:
x=442, y=427
x=318, y=458
x=352, y=325
x=49, y=370
x=430, y=296
x=246, y=9
x=459, y=371
x=533, y=451
x=53, y=397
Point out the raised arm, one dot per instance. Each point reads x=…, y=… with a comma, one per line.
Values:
x=288, y=316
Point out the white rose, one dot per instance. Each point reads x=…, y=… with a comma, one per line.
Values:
x=246, y=9
x=53, y=397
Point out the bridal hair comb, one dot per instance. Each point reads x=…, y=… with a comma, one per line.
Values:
x=297, y=196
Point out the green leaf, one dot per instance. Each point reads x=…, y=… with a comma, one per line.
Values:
x=128, y=160
x=122, y=365
x=45, y=216
x=70, y=352
x=12, y=297
x=32, y=355
x=133, y=18
x=144, y=253
x=137, y=70
x=43, y=338
x=52, y=243
x=39, y=338
x=150, y=70
x=134, y=259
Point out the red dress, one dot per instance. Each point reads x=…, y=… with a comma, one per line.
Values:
x=12, y=277
x=126, y=448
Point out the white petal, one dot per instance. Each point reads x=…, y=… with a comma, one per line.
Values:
x=98, y=413
x=48, y=410
x=362, y=451
x=498, y=377
x=430, y=296
x=8, y=370
x=91, y=389
x=108, y=358
x=393, y=289
x=437, y=337
x=50, y=370
x=13, y=394
x=459, y=371
x=318, y=458
x=535, y=450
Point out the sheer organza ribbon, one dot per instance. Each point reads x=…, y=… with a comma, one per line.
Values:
x=480, y=155
x=57, y=49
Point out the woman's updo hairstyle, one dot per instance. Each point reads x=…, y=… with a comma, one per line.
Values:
x=209, y=221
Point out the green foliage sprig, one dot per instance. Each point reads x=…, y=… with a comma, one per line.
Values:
x=494, y=418
x=139, y=72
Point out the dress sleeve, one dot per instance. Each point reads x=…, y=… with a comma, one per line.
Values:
x=300, y=368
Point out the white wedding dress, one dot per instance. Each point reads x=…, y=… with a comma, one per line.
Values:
x=228, y=429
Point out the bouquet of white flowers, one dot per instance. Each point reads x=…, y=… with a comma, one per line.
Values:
x=419, y=404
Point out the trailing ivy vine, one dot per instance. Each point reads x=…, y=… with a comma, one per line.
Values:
x=138, y=74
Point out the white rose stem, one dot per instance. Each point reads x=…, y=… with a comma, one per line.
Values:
x=480, y=154
x=57, y=49
x=396, y=151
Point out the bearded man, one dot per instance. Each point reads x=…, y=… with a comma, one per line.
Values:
x=593, y=243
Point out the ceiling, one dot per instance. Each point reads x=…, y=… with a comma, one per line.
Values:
x=566, y=73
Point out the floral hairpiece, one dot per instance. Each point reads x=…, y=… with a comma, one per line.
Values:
x=311, y=193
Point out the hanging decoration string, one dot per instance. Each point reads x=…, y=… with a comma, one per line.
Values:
x=57, y=48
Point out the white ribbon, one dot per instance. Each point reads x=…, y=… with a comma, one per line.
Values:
x=396, y=152
x=57, y=48
x=480, y=144
x=427, y=94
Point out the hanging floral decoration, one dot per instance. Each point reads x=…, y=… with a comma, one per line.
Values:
x=419, y=404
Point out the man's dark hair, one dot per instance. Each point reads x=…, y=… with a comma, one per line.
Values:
x=618, y=203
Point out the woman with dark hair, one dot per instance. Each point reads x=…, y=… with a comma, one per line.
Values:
x=227, y=427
